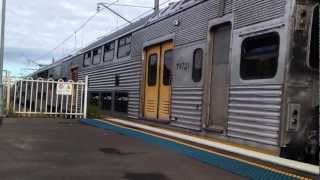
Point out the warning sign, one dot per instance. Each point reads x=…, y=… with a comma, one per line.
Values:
x=64, y=88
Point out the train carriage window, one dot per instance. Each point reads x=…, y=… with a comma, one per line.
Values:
x=186, y=2
x=124, y=47
x=167, y=76
x=314, y=44
x=197, y=65
x=87, y=59
x=259, y=56
x=121, y=102
x=175, y=5
x=108, y=52
x=152, y=70
x=106, y=101
x=94, y=99
x=96, y=56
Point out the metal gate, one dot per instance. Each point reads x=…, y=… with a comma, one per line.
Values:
x=47, y=97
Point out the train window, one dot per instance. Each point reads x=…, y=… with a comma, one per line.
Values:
x=124, y=47
x=94, y=99
x=96, y=56
x=259, y=56
x=167, y=76
x=175, y=5
x=197, y=65
x=121, y=102
x=185, y=2
x=106, y=101
x=314, y=44
x=87, y=59
x=108, y=52
x=152, y=69
x=164, y=10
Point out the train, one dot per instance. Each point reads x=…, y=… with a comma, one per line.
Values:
x=242, y=71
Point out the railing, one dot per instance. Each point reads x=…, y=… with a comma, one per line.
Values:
x=29, y=96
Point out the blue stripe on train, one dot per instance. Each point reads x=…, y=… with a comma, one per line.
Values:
x=227, y=164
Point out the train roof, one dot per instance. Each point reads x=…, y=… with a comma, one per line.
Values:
x=67, y=58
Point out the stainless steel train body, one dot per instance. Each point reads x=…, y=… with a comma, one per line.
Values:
x=244, y=70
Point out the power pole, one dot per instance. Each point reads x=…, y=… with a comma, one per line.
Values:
x=3, y=18
x=156, y=5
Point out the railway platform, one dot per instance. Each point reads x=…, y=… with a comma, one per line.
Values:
x=37, y=149
x=244, y=162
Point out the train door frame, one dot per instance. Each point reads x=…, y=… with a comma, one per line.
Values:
x=166, y=44
x=208, y=67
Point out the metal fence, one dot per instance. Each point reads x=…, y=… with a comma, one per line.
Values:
x=29, y=96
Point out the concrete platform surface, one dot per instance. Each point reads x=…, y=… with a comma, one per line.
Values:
x=53, y=149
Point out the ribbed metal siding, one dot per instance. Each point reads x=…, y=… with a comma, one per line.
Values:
x=254, y=113
x=228, y=6
x=186, y=107
x=194, y=21
x=193, y=24
x=248, y=12
x=195, y=33
x=102, y=78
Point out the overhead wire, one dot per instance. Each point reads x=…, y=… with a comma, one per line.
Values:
x=71, y=35
x=67, y=38
x=138, y=17
x=90, y=19
x=130, y=5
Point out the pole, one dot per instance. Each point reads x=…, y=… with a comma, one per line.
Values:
x=3, y=12
x=8, y=90
x=85, y=102
x=156, y=5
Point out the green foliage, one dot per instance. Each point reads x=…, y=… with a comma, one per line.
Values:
x=94, y=111
x=9, y=112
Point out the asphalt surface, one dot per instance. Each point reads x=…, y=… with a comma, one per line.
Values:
x=52, y=149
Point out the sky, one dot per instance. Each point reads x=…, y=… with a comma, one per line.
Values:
x=35, y=27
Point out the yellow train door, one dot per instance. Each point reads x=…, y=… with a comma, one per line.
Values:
x=152, y=82
x=158, y=82
x=165, y=82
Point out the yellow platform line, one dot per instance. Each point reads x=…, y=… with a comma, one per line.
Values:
x=124, y=124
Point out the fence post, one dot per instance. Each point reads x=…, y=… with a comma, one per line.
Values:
x=8, y=93
x=85, y=97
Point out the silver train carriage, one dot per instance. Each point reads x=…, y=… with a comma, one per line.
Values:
x=242, y=70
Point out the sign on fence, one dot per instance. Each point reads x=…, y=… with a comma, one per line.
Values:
x=64, y=88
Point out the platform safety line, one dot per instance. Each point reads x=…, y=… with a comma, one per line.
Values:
x=213, y=152
x=200, y=149
x=304, y=167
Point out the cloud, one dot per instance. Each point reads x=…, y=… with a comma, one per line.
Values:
x=33, y=28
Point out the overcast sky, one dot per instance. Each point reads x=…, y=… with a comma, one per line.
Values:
x=35, y=27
